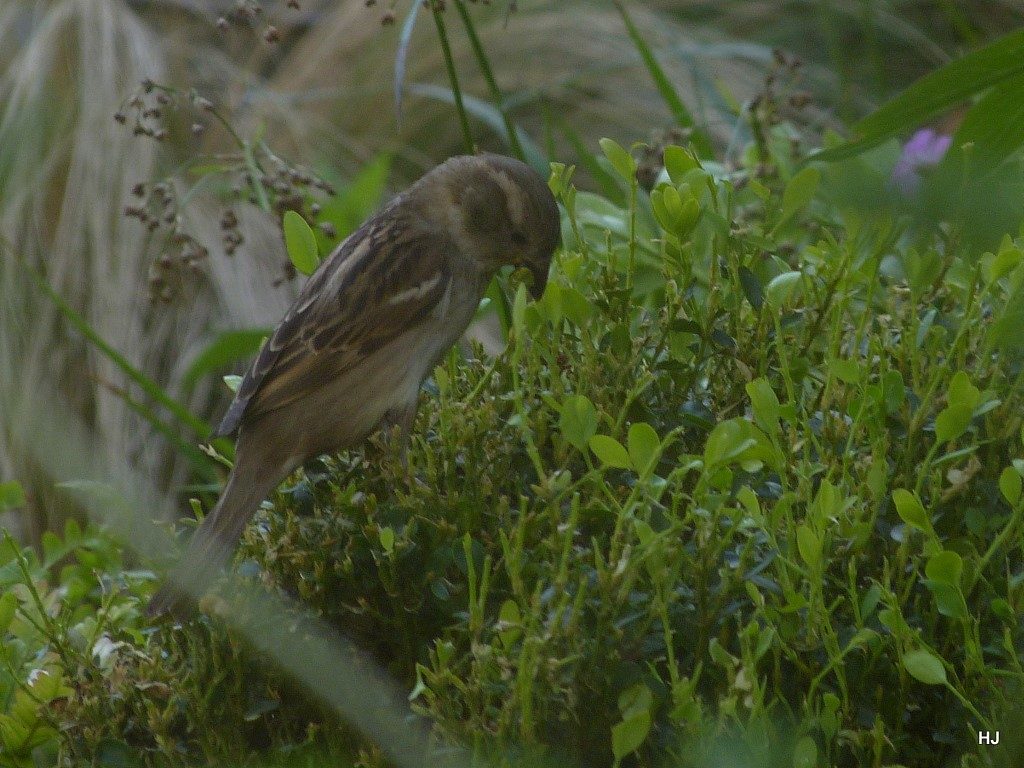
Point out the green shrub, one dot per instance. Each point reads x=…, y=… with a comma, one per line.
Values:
x=745, y=488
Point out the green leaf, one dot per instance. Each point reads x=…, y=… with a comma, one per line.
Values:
x=1002, y=608
x=14, y=735
x=511, y=620
x=1005, y=331
x=644, y=446
x=864, y=637
x=627, y=736
x=847, y=371
x=576, y=308
x=935, y=93
x=519, y=304
x=609, y=451
x=8, y=605
x=828, y=502
x=635, y=699
x=644, y=533
x=53, y=548
x=679, y=162
x=676, y=210
x=948, y=599
x=47, y=685
x=498, y=299
x=870, y=601
x=228, y=347
x=910, y=509
x=300, y=242
x=805, y=753
x=781, y=288
x=726, y=441
x=1010, y=485
x=356, y=199
x=961, y=390
x=945, y=566
x=752, y=287
x=894, y=391
x=1004, y=262
x=809, y=545
x=953, y=421
x=892, y=620
x=578, y=420
x=597, y=212
x=720, y=655
x=630, y=734
x=621, y=160
x=738, y=440
x=925, y=667
x=748, y=499
x=828, y=717
x=12, y=495
x=994, y=125
x=764, y=403
x=386, y=536
x=798, y=193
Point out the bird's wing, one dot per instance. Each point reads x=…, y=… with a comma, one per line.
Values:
x=383, y=280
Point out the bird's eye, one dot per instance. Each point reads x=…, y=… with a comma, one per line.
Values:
x=518, y=238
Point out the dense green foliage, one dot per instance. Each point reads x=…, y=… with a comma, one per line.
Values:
x=745, y=486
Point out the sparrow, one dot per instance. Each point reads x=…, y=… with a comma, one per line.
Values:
x=368, y=327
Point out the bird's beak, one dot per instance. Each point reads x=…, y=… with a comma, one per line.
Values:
x=540, y=280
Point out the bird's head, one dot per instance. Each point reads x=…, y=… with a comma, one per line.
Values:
x=505, y=212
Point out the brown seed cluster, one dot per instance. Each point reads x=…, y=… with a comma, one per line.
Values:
x=151, y=107
x=781, y=100
x=285, y=188
x=230, y=232
x=256, y=176
x=249, y=14
x=146, y=109
x=650, y=162
x=156, y=208
x=389, y=16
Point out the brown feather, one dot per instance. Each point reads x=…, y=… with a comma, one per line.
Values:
x=339, y=318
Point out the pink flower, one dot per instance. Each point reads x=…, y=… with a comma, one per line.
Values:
x=923, y=150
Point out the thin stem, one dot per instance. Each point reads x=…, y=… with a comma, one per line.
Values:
x=999, y=542
x=453, y=77
x=492, y=84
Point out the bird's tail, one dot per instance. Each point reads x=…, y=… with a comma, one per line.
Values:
x=215, y=539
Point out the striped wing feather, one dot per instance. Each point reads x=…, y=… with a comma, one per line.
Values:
x=383, y=280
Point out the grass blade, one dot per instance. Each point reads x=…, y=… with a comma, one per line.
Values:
x=492, y=84
x=200, y=462
x=994, y=125
x=228, y=347
x=402, y=56
x=490, y=116
x=668, y=92
x=146, y=384
x=453, y=78
x=934, y=93
x=609, y=188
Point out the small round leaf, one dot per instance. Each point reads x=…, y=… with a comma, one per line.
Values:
x=925, y=667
